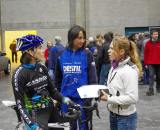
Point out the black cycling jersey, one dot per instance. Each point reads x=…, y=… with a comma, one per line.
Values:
x=30, y=82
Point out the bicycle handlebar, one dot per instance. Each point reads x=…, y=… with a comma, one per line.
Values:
x=74, y=110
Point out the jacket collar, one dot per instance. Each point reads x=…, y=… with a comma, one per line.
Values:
x=122, y=63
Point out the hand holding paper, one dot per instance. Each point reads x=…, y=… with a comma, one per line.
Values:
x=90, y=91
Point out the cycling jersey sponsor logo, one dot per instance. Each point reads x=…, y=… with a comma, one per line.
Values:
x=40, y=89
x=23, y=112
x=72, y=69
x=16, y=78
x=36, y=81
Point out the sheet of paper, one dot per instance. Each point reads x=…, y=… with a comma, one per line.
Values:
x=90, y=91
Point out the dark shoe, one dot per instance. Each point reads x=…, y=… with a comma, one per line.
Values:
x=146, y=82
x=158, y=93
x=141, y=83
x=158, y=90
x=150, y=92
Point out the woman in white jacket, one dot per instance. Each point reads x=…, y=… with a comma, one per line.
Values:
x=122, y=84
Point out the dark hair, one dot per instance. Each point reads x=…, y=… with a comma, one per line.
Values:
x=73, y=34
x=132, y=37
x=107, y=37
x=153, y=31
x=26, y=57
x=111, y=34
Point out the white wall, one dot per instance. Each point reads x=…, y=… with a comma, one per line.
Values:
x=54, y=17
x=114, y=15
x=31, y=11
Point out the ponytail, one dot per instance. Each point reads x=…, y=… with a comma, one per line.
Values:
x=130, y=48
x=135, y=57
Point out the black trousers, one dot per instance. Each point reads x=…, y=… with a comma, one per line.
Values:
x=56, y=117
x=42, y=116
x=14, y=57
x=154, y=69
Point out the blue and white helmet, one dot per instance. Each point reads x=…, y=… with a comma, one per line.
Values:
x=28, y=42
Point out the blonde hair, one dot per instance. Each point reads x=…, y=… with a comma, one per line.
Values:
x=130, y=49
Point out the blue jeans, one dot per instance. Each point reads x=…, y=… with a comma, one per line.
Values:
x=118, y=122
x=145, y=74
x=104, y=73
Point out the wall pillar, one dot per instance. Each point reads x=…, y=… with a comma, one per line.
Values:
x=79, y=13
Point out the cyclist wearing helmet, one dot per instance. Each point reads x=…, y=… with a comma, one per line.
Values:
x=32, y=86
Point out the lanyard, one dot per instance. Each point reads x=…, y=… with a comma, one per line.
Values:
x=112, y=77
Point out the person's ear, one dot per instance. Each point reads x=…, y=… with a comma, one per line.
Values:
x=31, y=52
x=122, y=52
